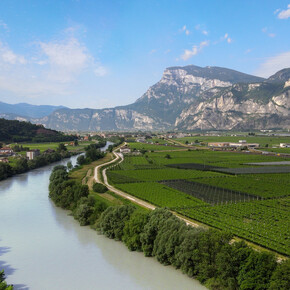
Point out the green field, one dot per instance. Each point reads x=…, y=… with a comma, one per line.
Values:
x=263, y=222
x=53, y=145
x=213, y=158
x=262, y=140
x=253, y=206
x=264, y=185
x=160, y=195
x=165, y=174
x=278, y=150
x=154, y=147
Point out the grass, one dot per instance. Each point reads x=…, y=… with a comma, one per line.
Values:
x=165, y=174
x=150, y=147
x=159, y=194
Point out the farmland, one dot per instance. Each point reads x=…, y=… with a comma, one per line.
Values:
x=252, y=206
x=262, y=140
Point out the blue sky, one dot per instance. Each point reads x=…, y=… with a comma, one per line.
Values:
x=97, y=54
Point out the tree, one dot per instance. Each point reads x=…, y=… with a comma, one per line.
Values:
x=81, y=160
x=133, y=229
x=3, y=284
x=76, y=142
x=69, y=165
x=84, y=210
x=257, y=271
x=281, y=276
x=113, y=219
x=99, y=187
x=156, y=218
x=167, y=156
x=61, y=147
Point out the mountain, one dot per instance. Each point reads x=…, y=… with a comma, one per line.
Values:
x=26, y=110
x=191, y=98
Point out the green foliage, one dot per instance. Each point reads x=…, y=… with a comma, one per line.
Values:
x=281, y=276
x=256, y=272
x=148, y=236
x=113, y=219
x=133, y=228
x=5, y=171
x=99, y=188
x=17, y=131
x=84, y=210
x=3, y=284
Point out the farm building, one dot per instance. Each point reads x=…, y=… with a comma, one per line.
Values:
x=241, y=143
x=125, y=150
x=7, y=151
x=31, y=154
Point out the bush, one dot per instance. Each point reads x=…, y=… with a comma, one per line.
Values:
x=99, y=188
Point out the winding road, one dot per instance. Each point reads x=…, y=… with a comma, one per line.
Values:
x=120, y=157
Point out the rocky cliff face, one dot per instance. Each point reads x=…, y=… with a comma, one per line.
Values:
x=190, y=98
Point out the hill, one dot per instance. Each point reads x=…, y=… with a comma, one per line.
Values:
x=17, y=131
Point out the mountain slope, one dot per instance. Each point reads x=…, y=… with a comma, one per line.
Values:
x=190, y=98
x=27, y=110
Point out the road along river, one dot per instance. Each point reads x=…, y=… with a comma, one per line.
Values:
x=42, y=247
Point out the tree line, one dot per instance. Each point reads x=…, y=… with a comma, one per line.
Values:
x=21, y=164
x=208, y=255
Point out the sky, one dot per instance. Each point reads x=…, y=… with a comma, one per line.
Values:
x=98, y=54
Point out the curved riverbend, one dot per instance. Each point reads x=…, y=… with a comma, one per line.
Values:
x=41, y=247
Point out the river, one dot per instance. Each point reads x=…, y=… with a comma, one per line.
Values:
x=43, y=248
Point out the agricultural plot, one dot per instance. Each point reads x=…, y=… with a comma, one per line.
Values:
x=262, y=140
x=264, y=222
x=264, y=185
x=211, y=158
x=255, y=170
x=150, y=147
x=165, y=174
x=160, y=195
x=252, y=206
x=208, y=193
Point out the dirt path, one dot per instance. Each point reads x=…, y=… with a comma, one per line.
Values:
x=120, y=157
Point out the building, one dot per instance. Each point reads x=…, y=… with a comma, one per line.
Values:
x=241, y=143
x=4, y=160
x=7, y=151
x=125, y=150
x=31, y=154
x=284, y=145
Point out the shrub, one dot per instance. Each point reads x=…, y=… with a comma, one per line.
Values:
x=99, y=188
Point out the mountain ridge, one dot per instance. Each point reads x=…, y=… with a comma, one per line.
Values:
x=191, y=98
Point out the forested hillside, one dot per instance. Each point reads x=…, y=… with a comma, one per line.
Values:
x=17, y=131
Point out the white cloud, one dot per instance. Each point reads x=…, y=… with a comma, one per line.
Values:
x=274, y=64
x=3, y=25
x=284, y=14
x=270, y=34
x=9, y=57
x=185, y=30
x=201, y=28
x=51, y=68
x=227, y=38
x=194, y=51
x=204, y=32
x=248, y=50
x=100, y=71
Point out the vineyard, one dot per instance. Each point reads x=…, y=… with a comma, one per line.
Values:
x=264, y=222
x=251, y=206
x=210, y=194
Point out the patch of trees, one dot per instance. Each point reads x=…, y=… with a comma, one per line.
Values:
x=92, y=153
x=71, y=195
x=206, y=255
x=99, y=188
x=3, y=284
x=18, y=131
x=21, y=165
